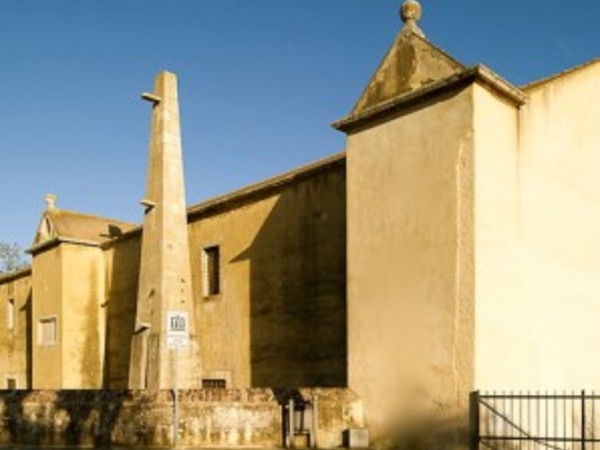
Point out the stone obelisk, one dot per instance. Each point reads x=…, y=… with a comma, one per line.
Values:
x=165, y=276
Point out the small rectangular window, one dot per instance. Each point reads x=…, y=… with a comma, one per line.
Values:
x=211, y=259
x=11, y=384
x=10, y=314
x=213, y=383
x=47, y=331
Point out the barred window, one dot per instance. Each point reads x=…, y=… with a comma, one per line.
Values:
x=213, y=383
x=47, y=331
x=211, y=259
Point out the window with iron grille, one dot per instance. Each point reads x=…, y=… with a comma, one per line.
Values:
x=11, y=383
x=211, y=257
x=213, y=383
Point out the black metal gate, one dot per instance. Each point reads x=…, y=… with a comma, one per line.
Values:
x=534, y=421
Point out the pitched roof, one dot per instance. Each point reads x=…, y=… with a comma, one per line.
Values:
x=71, y=226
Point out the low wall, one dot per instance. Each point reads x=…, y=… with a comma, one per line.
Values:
x=207, y=418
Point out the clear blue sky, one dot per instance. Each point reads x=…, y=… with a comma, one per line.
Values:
x=260, y=82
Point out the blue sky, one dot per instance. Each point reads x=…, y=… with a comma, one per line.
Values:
x=260, y=82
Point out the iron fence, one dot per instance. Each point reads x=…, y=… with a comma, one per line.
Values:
x=535, y=421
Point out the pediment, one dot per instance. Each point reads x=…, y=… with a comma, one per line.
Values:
x=411, y=64
x=46, y=230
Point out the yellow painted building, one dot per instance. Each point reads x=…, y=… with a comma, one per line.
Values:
x=453, y=246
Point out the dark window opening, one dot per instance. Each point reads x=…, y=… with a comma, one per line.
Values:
x=213, y=383
x=212, y=271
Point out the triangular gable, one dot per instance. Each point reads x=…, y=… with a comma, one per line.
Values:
x=46, y=231
x=412, y=63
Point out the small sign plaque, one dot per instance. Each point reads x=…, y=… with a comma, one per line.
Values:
x=178, y=329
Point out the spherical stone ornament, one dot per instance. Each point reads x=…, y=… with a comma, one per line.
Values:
x=411, y=11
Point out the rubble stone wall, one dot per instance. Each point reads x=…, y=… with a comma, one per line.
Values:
x=207, y=418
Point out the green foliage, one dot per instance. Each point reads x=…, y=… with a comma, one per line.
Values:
x=12, y=257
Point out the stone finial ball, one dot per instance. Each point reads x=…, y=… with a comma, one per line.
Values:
x=411, y=10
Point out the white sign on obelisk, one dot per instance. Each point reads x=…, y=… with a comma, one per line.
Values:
x=178, y=330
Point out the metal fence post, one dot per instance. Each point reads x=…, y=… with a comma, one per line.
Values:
x=474, y=420
x=583, y=420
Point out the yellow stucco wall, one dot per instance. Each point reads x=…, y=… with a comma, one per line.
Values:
x=47, y=360
x=410, y=297
x=15, y=342
x=538, y=246
x=68, y=285
x=122, y=261
x=280, y=318
x=92, y=293
x=497, y=206
x=83, y=316
x=278, y=321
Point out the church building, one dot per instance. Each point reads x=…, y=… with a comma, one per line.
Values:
x=454, y=245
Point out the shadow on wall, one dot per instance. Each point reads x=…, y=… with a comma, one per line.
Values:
x=58, y=418
x=440, y=431
x=298, y=287
x=92, y=415
x=120, y=314
x=11, y=414
x=27, y=308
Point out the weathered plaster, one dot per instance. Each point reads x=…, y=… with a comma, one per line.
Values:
x=280, y=318
x=538, y=247
x=15, y=343
x=410, y=293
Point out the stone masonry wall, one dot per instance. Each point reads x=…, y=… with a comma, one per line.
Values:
x=207, y=418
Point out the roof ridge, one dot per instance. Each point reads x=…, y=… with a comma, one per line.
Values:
x=536, y=83
x=59, y=211
x=21, y=272
x=272, y=181
x=252, y=188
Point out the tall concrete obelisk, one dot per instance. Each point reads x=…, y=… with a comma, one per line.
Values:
x=165, y=276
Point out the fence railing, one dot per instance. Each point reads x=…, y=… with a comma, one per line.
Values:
x=535, y=421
